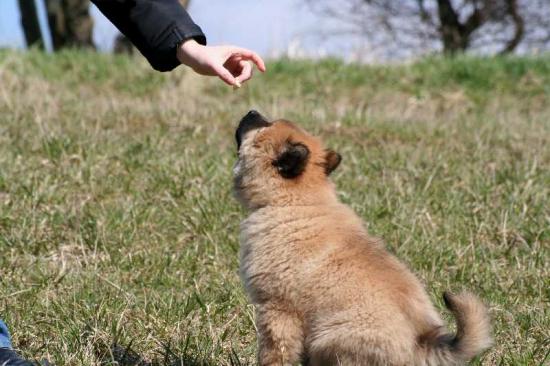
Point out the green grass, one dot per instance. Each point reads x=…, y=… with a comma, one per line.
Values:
x=118, y=230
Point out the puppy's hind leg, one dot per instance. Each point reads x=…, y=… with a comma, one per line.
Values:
x=280, y=336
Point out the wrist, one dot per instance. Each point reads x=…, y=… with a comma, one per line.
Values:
x=186, y=51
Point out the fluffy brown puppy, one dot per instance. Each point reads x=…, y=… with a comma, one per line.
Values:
x=325, y=292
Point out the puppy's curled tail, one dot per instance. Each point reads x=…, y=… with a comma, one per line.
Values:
x=472, y=336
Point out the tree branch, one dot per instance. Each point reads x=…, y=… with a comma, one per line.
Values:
x=519, y=26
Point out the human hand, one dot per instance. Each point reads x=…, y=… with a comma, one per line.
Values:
x=229, y=63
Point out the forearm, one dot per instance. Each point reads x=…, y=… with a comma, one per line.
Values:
x=154, y=27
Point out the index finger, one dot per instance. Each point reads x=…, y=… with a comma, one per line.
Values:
x=249, y=55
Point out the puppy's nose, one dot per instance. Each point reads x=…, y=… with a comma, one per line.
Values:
x=251, y=121
x=252, y=116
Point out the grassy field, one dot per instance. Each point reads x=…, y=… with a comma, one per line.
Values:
x=118, y=229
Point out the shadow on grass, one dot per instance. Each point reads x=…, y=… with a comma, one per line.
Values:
x=119, y=355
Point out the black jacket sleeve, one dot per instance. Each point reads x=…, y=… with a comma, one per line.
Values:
x=155, y=27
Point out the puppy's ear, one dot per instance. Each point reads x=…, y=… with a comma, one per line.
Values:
x=332, y=160
x=292, y=161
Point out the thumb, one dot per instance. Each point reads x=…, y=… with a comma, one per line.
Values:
x=225, y=75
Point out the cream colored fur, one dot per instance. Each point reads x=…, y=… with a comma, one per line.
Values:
x=327, y=293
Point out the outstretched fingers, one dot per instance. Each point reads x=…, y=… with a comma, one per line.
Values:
x=246, y=71
x=225, y=75
x=249, y=55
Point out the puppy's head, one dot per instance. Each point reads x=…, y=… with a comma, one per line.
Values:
x=280, y=164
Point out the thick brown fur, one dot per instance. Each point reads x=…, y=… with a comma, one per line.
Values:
x=325, y=292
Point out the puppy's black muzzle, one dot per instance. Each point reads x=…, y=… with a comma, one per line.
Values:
x=251, y=121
